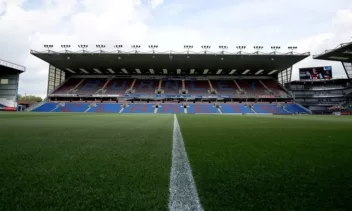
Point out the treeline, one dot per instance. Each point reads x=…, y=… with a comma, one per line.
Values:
x=30, y=98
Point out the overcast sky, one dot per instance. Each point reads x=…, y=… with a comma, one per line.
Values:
x=312, y=25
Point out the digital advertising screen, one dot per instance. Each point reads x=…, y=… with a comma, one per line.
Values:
x=315, y=73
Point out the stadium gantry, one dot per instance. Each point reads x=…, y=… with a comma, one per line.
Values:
x=170, y=82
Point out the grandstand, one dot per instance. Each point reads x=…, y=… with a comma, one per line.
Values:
x=320, y=95
x=9, y=79
x=169, y=82
x=327, y=95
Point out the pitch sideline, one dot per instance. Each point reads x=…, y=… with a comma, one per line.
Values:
x=183, y=191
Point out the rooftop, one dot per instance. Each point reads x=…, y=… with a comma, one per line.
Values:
x=342, y=53
x=170, y=62
x=6, y=66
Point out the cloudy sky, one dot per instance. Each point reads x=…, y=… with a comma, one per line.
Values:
x=312, y=25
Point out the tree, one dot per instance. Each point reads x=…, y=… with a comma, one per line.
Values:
x=30, y=98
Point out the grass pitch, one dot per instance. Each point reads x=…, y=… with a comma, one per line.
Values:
x=84, y=162
x=66, y=161
x=270, y=162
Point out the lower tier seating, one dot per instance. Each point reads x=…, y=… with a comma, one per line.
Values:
x=139, y=108
x=228, y=108
x=106, y=107
x=170, y=109
x=202, y=109
x=294, y=108
x=269, y=109
x=47, y=107
x=72, y=107
x=235, y=109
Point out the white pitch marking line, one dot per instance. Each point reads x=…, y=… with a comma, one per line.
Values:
x=183, y=191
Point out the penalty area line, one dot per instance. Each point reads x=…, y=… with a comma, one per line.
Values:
x=183, y=191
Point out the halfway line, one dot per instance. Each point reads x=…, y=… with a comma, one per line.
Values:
x=183, y=191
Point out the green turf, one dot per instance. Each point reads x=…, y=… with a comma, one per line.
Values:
x=84, y=161
x=66, y=161
x=270, y=162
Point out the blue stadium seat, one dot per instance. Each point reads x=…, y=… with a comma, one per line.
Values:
x=46, y=107
x=235, y=109
x=202, y=109
x=269, y=109
x=73, y=107
x=294, y=108
x=139, y=108
x=146, y=87
x=106, y=107
x=172, y=87
x=170, y=108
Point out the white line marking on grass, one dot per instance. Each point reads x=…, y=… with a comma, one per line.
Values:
x=183, y=191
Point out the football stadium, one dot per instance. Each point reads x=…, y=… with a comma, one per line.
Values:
x=181, y=131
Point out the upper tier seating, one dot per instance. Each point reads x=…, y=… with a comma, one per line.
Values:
x=118, y=86
x=70, y=84
x=73, y=107
x=172, y=87
x=170, y=108
x=269, y=108
x=197, y=87
x=235, y=108
x=253, y=88
x=106, y=107
x=139, y=108
x=91, y=86
x=146, y=87
x=202, y=109
x=46, y=107
x=274, y=87
x=225, y=87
